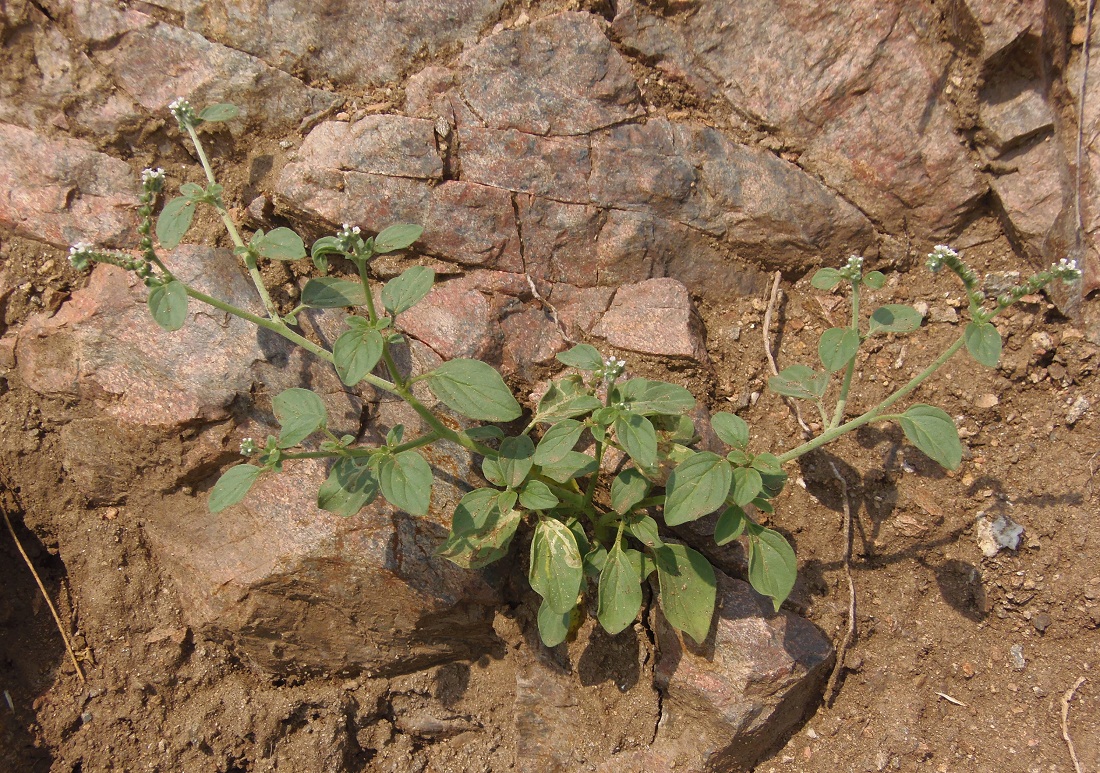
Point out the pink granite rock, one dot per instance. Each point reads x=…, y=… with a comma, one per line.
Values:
x=653, y=317
x=727, y=701
x=64, y=191
x=556, y=76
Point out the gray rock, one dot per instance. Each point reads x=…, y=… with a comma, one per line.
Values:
x=154, y=62
x=1012, y=118
x=1036, y=196
x=653, y=317
x=64, y=191
x=999, y=27
x=727, y=701
x=558, y=75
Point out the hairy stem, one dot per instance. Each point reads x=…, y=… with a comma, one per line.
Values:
x=846, y=386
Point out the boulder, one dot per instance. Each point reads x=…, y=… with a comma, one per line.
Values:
x=64, y=191
x=653, y=317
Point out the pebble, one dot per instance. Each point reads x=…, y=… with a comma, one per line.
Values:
x=1016, y=653
x=1041, y=622
x=1077, y=410
x=987, y=400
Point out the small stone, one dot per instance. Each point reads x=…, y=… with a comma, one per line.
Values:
x=1077, y=410
x=987, y=400
x=1016, y=655
x=1041, y=622
x=944, y=314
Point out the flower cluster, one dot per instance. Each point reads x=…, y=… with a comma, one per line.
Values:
x=80, y=255
x=183, y=112
x=349, y=238
x=248, y=447
x=612, y=369
x=940, y=254
x=152, y=180
x=1066, y=270
x=853, y=269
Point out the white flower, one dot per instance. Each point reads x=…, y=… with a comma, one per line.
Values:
x=1066, y=270
x=148, y=175
x=938, y=255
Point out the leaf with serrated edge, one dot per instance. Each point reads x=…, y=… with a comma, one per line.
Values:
x=932, y=431
x=620, y=592
x=405, y=291
x=636, y=435
x=699, y=485
x=688, y=589
x=558, y=441
x=474, y=389
x=355, y=354
x=772, y=564
x=556, y=571
x=983, y=341
x=233, y=486
x=406, y=481
x=300, y=413
x=349, y=488
x=628, y=488
x=837, y=347
x=168, y=305
x=731, y=430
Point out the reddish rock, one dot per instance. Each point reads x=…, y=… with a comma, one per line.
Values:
x=64, y=191
x=866, y=111
x=531, y=339
x=368, y=43
x=103, y=346
x=473, y=225
x=558, y=75
x=1035, y=196
x=580, y=308
x=155, y=62
x=555, y=167
x=729, y=700
x=1015, y=115
x=653, y=317
x=998, y=26
x=389, y=145
x=455, y=320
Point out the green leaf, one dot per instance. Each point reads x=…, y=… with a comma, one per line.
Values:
x=772, y=565
x=566, y=398
x=595, y=560
x=514, y=459
x=582, y=357
x=688, y=589
x=638, y=438
x=983, y=342
x=931, y=430
x=406, y=481
x=300, y=413
x=356, y=353
x=620, y=592
x=800, y=381
x=644, y=530
x=838, y=345
x=281, y=244
x=474, y=389
x=329, y=292
x=174, y=220
x=894, y=318
x=536, y=495
x=573, y=465
x=732, y=430
x=647, y=397
x=628, y=488
x=556, y=571
x=699, y=485
x=747, y=483
x=193, y=191
x=874, y=279
x=168, y=305
x=485, y=432
x=731, y=523
x=349, y=488
x=397, y=237
x=481, y=547
x=558, y=441
x=326, y=245
x=475, y=509
x=490, y=468
x=232, y=486
x=554, y=626
x=405, y=291
x=826, y=278
x=222, y=111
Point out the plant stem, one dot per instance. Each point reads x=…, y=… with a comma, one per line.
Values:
x=387, y=357
x=846, y=386
x=231, y=227
x=873, y=414
x=277, y=327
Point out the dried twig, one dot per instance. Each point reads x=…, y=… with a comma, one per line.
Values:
x=1081, y=123
x=45, y=595
x=1065, y=722
x=772, y=302
x=549, y=307
x=850, y=635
